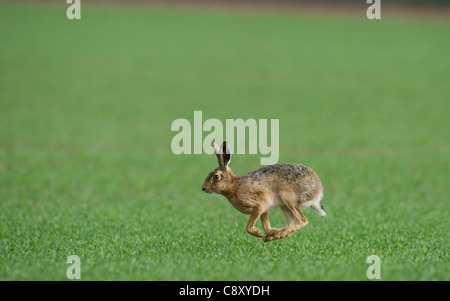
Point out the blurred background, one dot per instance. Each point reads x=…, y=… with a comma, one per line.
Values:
x=86, y=108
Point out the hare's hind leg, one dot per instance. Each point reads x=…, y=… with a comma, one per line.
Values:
x=299, y=222
x=295, y=220
x=270, y=232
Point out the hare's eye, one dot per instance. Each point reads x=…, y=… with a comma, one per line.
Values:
x=216, y=177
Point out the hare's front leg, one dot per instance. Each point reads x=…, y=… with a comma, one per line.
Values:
x=251, y=229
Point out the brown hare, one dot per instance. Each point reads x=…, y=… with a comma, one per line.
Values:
x=292, y=187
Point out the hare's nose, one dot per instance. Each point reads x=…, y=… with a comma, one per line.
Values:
x=203, y=188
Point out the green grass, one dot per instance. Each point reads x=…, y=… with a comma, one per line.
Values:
x=86, y=166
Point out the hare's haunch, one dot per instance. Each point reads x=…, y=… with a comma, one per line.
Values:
x=291, y=187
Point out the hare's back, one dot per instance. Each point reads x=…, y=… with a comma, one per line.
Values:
x=283, y=172
x=295, y=181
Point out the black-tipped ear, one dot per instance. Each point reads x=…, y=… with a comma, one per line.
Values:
x=226, y=153
x=218, y=152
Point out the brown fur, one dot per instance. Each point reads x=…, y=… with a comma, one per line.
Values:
x=292, y=187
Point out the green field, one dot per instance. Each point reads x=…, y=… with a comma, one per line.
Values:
x=86, y=166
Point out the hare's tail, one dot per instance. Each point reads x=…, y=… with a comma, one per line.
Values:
x=319, y=209
x=317, y=205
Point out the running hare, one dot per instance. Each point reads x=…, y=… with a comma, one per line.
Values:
x=292, y=187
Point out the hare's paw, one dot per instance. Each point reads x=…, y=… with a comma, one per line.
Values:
x=272, y=231
x=272, y=234
x=268, y=238
x=283, y=233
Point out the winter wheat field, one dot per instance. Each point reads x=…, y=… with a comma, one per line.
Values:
x=87, y=169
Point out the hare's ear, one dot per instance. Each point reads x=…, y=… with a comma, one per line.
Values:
x=226, y=153
x=218, y=152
